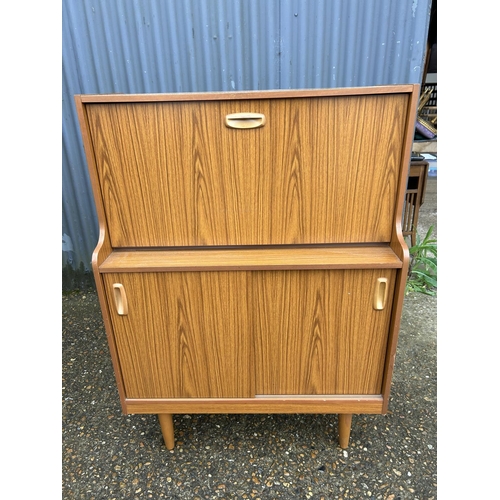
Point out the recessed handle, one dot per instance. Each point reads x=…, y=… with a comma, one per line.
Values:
x=380, y=296
x=245, y=120
x=120, y=299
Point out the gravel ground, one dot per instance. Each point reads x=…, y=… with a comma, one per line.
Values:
x=107, y=455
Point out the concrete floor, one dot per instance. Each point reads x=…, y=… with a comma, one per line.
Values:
x=107, y=455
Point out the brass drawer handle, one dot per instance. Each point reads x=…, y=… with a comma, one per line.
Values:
x=245, y=120
x=380, y=296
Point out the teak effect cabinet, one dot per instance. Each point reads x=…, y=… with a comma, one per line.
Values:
x=251, y=256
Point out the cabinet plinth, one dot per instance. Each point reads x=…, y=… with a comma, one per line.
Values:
x=251, y=256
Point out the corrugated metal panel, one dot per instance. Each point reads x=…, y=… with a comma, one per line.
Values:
x=352, y=43
x=143, y=46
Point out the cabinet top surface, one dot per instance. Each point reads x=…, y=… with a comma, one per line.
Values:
x=248, y=94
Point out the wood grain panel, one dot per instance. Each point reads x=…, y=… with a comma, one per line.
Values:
x=322, y=170
x=316, y=332
x=185, y=335
x=237, y=334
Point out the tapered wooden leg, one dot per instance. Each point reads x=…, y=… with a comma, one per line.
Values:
x=167, y=429
x=345, y=420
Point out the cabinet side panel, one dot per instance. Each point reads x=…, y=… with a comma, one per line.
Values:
x=321, y=170
x=318, y=333
x=185, y=335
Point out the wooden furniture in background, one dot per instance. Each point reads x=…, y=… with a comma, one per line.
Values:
x=251, y=257
x=415, y=192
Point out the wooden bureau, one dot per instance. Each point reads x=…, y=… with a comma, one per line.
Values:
x=251, y=256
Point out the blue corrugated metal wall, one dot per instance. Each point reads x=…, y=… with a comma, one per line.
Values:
x=143, y=46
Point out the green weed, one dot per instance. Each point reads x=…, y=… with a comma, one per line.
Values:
x=422, y=271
